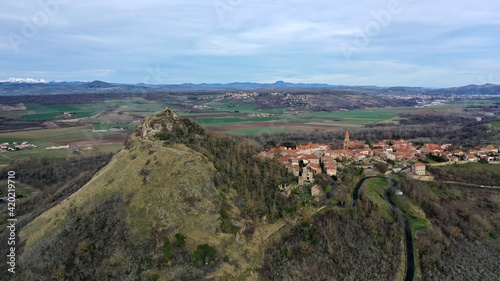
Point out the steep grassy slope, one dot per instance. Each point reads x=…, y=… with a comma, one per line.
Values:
x=149, y=192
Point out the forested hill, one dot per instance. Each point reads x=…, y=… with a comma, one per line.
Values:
x=177, y=203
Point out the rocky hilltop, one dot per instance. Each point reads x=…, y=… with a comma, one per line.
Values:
x=115, y=226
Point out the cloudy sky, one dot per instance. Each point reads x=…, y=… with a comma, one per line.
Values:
x=364, y=42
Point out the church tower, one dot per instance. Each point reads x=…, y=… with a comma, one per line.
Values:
x=346, y=139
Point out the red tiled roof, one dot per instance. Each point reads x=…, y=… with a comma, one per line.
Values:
x=284, y=159
x=316, y=168
x=311, y=157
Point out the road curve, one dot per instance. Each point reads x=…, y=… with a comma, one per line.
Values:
x=410, y=258
x=355, y=194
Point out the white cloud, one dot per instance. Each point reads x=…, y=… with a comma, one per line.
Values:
x=427, y=42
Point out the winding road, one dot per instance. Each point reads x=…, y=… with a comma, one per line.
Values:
x=410, y=258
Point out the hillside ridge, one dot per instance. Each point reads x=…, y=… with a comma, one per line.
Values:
x=156, y=190
x=167, y=206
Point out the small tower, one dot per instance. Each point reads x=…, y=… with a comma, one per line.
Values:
x=346, y=139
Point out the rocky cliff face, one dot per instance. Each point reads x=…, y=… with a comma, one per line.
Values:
x=163, y=122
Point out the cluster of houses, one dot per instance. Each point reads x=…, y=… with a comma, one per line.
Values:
x=305, y=161
x=15, y=146
x=59, y=147
x=76, y=148
x=488, y=153
x=6, y=146
x=67, y=114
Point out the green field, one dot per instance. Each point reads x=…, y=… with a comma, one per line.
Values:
x=333, y=119
x=356, y=116
x=412, y=212
x=243, y=108
x=461, y=104
x=496, y=124
x=12, y=114
x=81, y=131
x=472, y=173
x=47, y=137
x=137, y=105
x=257, y=131
x=51, y=112
x=114, y=126
x=375, y=189
x=16, y=122
x=7, y=158
x=470, y=168
x=226, y=120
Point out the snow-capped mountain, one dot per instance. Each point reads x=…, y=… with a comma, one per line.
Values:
x=23, y=80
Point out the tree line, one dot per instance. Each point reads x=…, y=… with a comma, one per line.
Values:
x=433, y=127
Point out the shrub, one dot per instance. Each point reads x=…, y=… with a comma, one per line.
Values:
x=224, y=213
x=204, y=254
x=180, y=240
x=167, y=249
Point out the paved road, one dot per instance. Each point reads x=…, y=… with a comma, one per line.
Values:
x=355, y=194
x=473, y=185
x=410, y=258
x=410, y=265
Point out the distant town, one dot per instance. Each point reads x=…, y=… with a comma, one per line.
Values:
x=311, y=159
x=16, y=146
x=13, y=146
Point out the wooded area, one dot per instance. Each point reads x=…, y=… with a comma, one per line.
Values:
x=454, y=128
x=255, y=180
x=462, y=243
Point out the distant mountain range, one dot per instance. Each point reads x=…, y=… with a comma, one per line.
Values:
x=29, y=86
x=23, y=80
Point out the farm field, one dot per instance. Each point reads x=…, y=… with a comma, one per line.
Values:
x=50, y=112
x=44, y=125
x=496, y=124
x=243, y=108
x=232, y=118
x=103, y=142
x=474, y=102
x=305, y=121
x=37, y=112
x=243, y=119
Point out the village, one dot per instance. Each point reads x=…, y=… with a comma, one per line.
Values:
x=306, y=161
x=6, y=146
x=16, y=146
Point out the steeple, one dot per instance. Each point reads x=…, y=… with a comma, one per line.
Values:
x=346, y=139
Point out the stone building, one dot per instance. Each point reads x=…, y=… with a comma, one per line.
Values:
x=419, y=169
